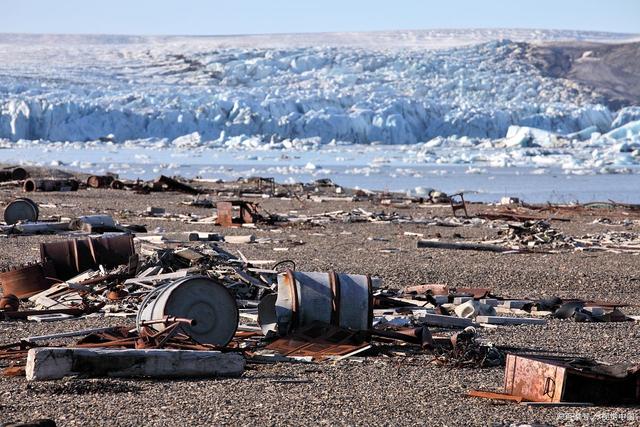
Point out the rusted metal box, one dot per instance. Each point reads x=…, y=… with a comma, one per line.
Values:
x=570, y=380
x=533, y=379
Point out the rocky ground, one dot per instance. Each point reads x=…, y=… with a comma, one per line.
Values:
x=377, y=389
x=609, y=69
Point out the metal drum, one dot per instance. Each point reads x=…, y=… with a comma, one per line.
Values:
x=200, y=298
x=31, y=185
x=97, y=181
x=26, y=281
x=21, y=209
x=339, y=299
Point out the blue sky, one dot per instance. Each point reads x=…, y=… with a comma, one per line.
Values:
x=289, y=16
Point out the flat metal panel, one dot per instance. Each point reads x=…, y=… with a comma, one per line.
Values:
x=534, y=380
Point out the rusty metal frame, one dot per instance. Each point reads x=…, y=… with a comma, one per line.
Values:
x=458, y=203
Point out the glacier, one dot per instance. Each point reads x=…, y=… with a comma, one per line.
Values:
x=437, y=105
x=133, y=88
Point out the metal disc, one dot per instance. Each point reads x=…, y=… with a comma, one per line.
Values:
x=22, y=209
x=208, y=303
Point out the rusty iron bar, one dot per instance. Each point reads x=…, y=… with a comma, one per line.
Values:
x=166, y=320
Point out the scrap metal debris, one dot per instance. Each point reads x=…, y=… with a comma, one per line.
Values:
x=556, y=379
x=191, y=308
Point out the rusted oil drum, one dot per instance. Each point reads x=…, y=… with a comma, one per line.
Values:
x=19, y=174
x=31, y=185
x=16, y=174
x=339, y=299
x=21, y=209
x=25, y=281
x=97, y=181
x=116, y=184
x=199, y=298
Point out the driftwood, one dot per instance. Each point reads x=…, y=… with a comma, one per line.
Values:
x=172, y=184
x=461, y=246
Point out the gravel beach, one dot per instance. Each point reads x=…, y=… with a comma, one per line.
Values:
x=372, y=390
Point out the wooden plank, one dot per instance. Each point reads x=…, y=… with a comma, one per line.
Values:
x=159, y=277
x=434, y=244
x=499, y=320
x=445, y=321
x=48, y=363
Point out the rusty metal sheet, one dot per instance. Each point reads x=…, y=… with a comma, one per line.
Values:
x=319, y=341
x=14, y=371
x=534, y=380
x=72, y=257
x=84, y=309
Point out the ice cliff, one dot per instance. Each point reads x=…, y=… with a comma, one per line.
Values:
x=188, y=91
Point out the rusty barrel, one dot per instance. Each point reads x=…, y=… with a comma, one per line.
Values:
x=207, y=302
x=100, y=181
x=116, y=184
x=21, y=209
x=25, y=281
x=338, y=299
x=31, y=185
x=19, y=174
x=15, y=174
x=5, y=176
